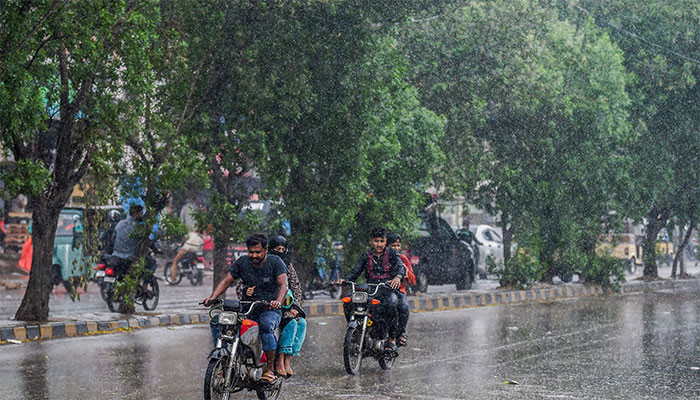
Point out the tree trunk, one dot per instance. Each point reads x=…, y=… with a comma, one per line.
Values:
x=300, y=256
x=35, y=303
x=653, y=228
x=680, y=249
x=220, y=250
x=507, y=230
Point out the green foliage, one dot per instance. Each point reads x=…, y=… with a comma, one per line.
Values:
x=521, y=271
x=536, y=114
x=29, y=176
x=605, y=271
x=126, y=288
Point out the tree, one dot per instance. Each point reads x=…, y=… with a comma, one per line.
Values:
x=64, y=66
x=536, y=112
x=660, y=43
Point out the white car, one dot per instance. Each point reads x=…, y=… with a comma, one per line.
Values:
x=490, y=244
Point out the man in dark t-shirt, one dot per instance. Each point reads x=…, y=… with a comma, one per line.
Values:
x=264, y=277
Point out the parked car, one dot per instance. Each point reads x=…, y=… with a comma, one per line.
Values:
x=489, y=246
x=439, y=257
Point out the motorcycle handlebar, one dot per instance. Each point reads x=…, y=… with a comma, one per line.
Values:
x=218, y=303
x=376, y=286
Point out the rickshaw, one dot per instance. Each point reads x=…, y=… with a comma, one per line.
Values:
x=69, y=261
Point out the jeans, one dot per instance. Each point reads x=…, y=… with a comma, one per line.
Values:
x=404, y=312
x=293, y=336
x=387, y=310
x=267, y=320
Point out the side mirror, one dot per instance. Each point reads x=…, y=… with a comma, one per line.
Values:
x=77, y=225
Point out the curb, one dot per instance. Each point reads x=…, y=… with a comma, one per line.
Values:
x=56, y=330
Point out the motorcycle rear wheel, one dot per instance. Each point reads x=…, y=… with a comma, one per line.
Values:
x=352, y=353
x=150, y=298
x=112, y=301
x=196, y=277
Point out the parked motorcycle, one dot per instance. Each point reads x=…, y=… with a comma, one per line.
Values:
x=364, y=336
x=191, y=265
x=116, y=269
x=237, y=361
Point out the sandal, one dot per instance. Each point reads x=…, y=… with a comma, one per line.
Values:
x=282, y=372
x=268, y=377
x=390, y=347
x=289, y=372
x=402, y=341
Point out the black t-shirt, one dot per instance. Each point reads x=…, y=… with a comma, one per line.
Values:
x=263, y=278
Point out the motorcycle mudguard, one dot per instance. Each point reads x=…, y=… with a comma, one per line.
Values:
x=218, y=354
x=353, y=324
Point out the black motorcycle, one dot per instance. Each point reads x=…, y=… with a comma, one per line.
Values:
x=115, y=270
x=191, y=265
x=237, y=361
x=365, y=337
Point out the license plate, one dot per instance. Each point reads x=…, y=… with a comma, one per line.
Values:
x=200, y=266
x=100, y=274
x=109, y=279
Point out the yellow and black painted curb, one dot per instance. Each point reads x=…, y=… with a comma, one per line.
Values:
x=54, y=330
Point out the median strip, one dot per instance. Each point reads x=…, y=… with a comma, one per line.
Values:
x=13, y=334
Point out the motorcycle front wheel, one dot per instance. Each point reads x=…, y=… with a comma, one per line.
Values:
x=386, y=361
x=214, y=379
x=352, y=353
x=168, y=277
x=272, y=393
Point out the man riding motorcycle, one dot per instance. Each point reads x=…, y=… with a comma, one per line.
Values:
x=125, y=241
x=264, y=278
x=382, y=264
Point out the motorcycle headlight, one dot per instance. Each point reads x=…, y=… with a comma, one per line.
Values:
x=359, y=297
x=228, y=318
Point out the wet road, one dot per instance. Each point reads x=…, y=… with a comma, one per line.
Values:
x=644, y=346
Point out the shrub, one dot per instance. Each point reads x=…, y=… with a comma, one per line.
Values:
x=606, y=271
x=521, y=271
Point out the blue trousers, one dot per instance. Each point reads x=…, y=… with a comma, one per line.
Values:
x=293, y=336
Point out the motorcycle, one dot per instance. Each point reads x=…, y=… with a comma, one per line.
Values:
x=191, y=265
x=115, y=270
x=237, y=361
x=100, y=275
x=322, y=282
x=365, y=337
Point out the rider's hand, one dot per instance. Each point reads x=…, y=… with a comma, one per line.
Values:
x=249, y=291
x=207, y=301
x=274, y=304
x=395, y=283
x=294, y=312
x=340, y=281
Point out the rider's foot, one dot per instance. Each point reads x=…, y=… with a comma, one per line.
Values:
x=268, y=377
x=287, y=366
x=390, y=345
x=402, y=340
